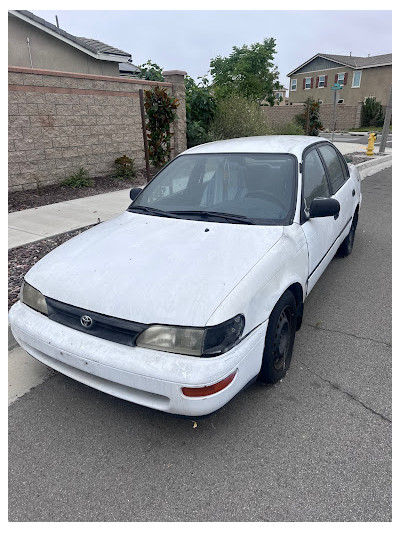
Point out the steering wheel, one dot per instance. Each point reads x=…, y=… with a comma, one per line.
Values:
x=268, y=196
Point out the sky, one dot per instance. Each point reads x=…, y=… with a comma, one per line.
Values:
x=188, y=40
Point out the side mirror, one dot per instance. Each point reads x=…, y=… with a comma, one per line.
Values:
x=324, y=207
x=134, y=193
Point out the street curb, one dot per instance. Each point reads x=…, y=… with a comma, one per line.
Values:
x=12, y=343
x=368, y=168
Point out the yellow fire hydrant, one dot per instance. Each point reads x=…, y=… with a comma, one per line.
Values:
x=371, y=140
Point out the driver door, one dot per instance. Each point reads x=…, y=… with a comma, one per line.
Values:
x=318, y=231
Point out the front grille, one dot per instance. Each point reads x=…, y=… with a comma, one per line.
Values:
x=103, y=326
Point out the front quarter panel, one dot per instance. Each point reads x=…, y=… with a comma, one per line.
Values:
x=256, y=294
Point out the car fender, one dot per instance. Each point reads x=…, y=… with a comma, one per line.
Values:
x=356, y=180
x=257, y=293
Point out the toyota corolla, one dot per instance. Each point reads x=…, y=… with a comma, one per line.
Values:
x=198, y=288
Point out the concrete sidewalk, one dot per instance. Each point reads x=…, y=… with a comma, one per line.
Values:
x=38, y=223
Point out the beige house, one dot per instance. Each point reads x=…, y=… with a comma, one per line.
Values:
x=360, y=77
x=280, y=96
x=35, y=43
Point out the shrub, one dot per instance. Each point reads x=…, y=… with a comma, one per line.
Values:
x=372, y=113
x=80, y=179
x=124, y=167
x=160, y=108
x=315, y=125
x=290, y=128
x=237, y=116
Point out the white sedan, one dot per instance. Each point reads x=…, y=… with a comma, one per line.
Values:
x=198, y=288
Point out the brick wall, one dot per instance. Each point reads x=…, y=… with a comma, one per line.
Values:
x=346, y=116
x=59, y=122
x=282, y=114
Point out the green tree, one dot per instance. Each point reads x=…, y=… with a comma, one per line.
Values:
x=200, y=110
x=151, y=71
x=248, y=71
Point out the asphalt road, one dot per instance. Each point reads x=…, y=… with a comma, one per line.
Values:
x=315, y=447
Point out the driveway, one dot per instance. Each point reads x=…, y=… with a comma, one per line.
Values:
x=314, y=447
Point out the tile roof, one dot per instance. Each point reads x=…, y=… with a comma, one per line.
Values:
x=94, y=46
x=102, y=47
x=359, y=62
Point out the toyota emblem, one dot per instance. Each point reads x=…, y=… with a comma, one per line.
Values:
x=86, y=321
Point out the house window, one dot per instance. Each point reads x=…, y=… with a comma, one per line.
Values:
x=321, y=82
x=340, y=78
x=293, y=85
x=307, y=83
x=278, y=95
x=356, y=79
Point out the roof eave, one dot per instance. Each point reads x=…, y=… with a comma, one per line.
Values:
x=373, y=66
x=345, y=64
x=103, y=57
x=325, y=57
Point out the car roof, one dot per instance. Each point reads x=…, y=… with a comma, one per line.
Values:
x=292, y=144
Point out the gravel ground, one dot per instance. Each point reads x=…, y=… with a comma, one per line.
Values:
x=19, y=200
x=356, y=157
x=21, y=259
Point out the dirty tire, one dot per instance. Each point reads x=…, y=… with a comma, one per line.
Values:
x=346, y=247
x=279, y=340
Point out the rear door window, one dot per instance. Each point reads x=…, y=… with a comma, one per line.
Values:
x=335, y=169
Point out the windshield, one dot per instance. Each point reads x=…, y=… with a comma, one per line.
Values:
x=254, y=188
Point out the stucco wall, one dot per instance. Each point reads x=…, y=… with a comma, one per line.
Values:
x=50, y=53
x=374, y=82
x=59, y=122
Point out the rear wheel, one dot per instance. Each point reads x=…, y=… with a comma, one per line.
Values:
x=279, y=340
x=346, y=247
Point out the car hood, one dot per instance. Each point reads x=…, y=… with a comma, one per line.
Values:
x=153, y=269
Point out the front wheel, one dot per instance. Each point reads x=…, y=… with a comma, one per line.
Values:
x=279, y=340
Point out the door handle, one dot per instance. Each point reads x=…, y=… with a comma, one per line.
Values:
x=353, y=192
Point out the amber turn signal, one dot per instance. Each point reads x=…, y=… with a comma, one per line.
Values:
x=210, y=389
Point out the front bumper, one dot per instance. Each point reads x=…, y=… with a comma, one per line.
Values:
x=140, y=375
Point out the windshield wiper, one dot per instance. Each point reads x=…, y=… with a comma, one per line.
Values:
x=239, y=219
x=151, y=211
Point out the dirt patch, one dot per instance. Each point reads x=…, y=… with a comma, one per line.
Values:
x=19, y=200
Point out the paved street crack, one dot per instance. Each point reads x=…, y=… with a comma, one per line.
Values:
x=349, y=394
x=314, y=326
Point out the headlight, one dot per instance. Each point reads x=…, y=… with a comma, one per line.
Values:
x=207, y=342
x=33, y=298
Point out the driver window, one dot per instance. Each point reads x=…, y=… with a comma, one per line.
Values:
x=315, y=184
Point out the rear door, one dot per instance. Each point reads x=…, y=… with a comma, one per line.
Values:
x=341, y=188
